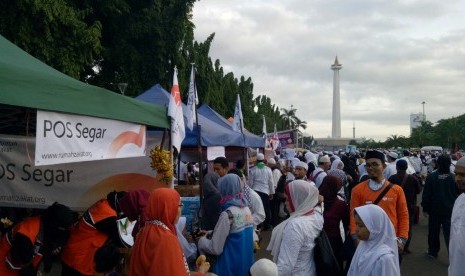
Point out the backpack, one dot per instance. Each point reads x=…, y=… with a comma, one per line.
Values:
x=325, y=260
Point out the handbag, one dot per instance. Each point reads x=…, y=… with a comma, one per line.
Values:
x=325, y=260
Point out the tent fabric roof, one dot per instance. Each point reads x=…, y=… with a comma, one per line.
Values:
x=211, y=133
x=27, y=82
x=251, y=140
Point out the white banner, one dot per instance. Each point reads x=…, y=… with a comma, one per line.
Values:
x=65, y=138
x=77, y=185
x=214, y=152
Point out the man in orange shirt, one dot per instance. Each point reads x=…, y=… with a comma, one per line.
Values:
x=393, y=202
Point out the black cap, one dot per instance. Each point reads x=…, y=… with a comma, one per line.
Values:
x=401, y=165
x=375, y=154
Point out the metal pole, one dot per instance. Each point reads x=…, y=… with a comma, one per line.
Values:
x=199, y=145
x=424, y=116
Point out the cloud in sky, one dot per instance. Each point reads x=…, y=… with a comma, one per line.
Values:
x=395, y=55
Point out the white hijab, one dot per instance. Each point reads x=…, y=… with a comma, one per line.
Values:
x=304, y=197
x=336, y=163
x=382, y=241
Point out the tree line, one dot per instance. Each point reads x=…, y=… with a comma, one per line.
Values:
x=106, y=43
x=138, y=43
x=447, y=133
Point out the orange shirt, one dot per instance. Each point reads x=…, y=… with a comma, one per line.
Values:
x=85, y=239
x=393, y=203
x=30, y=228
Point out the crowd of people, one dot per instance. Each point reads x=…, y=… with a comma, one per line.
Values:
x=365, y=203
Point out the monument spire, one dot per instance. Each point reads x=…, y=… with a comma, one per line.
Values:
x=336, y=130
x=353, y=131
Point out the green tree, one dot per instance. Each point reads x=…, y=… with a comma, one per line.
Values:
x=54, y=31
x=395, y=141
x=142, y=42
x=300, y=124
x=422, y=135
x=289, y=116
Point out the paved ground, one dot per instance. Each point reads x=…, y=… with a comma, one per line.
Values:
x=416, y=263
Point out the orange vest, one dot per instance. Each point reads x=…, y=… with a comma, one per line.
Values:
x=30, y=228
x=85, y=239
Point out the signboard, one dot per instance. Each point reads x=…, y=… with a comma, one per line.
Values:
x=77, y=185
x=415, y=120
x=351, y=148
x=66, y=138
x=285, y=139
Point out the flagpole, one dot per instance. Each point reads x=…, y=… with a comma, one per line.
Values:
x=171, y=143
x=245, y=152
x=199, y=145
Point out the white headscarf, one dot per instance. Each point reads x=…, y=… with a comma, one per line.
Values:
x=335, y=164
x=304, y=197
x=382, y=241
x=310, y=157
x=264, y=267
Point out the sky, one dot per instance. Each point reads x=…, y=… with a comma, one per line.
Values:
x=395, y=55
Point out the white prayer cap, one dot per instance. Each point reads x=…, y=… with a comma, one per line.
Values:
x=294, y=161
x=260, y=157
x=310, y=157
x=271, y=161
x=264, y=267
x=302, y=165
x=324, y=159
x=393, y=155
x=461, y=162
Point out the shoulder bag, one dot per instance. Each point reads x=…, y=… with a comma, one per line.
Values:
x=325, y=260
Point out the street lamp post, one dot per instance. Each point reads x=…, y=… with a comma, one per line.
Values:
x=424, y=116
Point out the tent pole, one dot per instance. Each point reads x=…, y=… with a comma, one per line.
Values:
x=199, y=149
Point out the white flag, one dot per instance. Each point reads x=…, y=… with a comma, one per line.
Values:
x=238, y=123
x=192, y=101
x=275, y=140
x=264, y=126
x=175, y=112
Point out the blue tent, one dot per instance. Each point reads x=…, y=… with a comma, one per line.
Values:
x=214, y=129
x=251, y=140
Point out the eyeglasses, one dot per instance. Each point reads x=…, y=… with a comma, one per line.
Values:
x=374, y=165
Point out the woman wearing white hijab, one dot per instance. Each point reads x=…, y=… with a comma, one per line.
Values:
x=292, y=241
x=377, y=252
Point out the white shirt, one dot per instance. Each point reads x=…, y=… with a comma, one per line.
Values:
x=452, y=166
x=296, y=251
x=258, y=212
x=276, y=176
x=261, y=180
x=319, y=179
x=410, y=168
x=390, y=169
x=416, y=164
x=457, y=238
x=182, y=171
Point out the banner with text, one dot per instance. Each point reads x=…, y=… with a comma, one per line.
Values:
x=66, y=138
x=284, y=139
x=77, y=185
